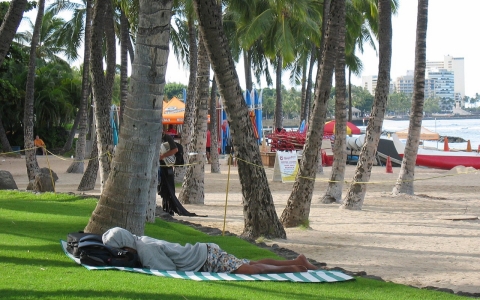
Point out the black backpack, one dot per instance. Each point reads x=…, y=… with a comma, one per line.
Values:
x=94, y=253
x=73, y=239
x=179, y=161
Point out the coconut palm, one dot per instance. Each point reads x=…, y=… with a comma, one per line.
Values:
x=407, y=171
x=10, y=25
x=259, y=210
x=298, y=205
x=30, y=158
x=102, y=82
x=124, y=199
x=357, y=190
x=193, y=186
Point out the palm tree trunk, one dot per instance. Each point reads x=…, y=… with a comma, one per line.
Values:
x=334, y=188
x=278, y=92
x=214, y=157
x=298, y=205
x=358, y=188
x=30, y=158
x=304, y=90
x=103, y=84
x=193, y=186
x=10, y=25
x=259, y=210
x=89, y=178
x=124, y=40
x=247, y=65
x=124, y=200
x=78, y=165
x=350, y=95
x=71, y=135
x=5, y=143
x=189, y=116
x=308, y=94
x=407, y=171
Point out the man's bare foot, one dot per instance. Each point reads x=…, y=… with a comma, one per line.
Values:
x=299, y=269
x=304, y=262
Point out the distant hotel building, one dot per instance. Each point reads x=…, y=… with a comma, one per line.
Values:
x=370, y=83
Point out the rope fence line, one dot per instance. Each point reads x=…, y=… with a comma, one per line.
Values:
x=361, y=182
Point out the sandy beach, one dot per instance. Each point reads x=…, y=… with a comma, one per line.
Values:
x=405, y=239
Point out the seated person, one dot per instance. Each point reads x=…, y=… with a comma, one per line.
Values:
x=201, y=257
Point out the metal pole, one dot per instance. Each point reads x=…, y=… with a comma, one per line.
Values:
x=436, y=130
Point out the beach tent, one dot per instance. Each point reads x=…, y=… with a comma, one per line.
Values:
x=425, y=134
x=174, y=112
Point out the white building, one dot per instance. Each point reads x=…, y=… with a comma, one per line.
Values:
x=444, y=87
x=404, y=84
x=456, y=65
x=370, y=83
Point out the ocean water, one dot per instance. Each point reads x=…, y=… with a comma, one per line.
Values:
x=468, y=129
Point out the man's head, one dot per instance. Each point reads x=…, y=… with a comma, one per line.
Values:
x=37, y=137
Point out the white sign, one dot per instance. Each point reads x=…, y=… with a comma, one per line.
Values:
x=286, y=166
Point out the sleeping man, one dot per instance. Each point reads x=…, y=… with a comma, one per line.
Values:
x=201, y=257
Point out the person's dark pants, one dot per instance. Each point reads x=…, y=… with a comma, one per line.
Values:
x=167, y=188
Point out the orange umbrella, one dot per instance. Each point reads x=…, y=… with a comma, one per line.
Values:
x=329, y=128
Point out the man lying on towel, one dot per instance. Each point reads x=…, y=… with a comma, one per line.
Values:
x=201, y=257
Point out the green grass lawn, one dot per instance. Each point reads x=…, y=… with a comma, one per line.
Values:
x=33, y=265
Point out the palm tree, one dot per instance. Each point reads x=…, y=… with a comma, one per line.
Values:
x=10, y=25
x=357, y=190
x=407, y=171
x=193, y=186
x=259, y=210
x=214, y=157
x=334, y=189
x=124, y=199
x=102, y=82
x=298, y=205
x=30, y=158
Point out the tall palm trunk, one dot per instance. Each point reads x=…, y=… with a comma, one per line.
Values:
x=407, y=171
x=334, y=189
x=30, y=158
x=10, y=25
x=349, y=95
x=78, y=165
x=193, y=186
x=260, y=216
x=124, y=40
x=103, y=82
x=124, y=200
x=304, y=89
x=278, y=92
x=189, y=116
x=298, y=205
x=214, y=157
x=247, y=65
x=358, y=188
x=308, y=93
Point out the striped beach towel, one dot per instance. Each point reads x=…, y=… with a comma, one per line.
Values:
x=311, y=276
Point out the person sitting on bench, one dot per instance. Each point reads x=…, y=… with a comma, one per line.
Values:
x=201, y=257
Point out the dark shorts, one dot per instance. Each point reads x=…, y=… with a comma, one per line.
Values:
x=208, y=149
x=219, y=261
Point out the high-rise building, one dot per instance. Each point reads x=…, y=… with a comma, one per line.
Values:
x=456, y=65
x=370, y=83
x=404, y=84
x=444, y=87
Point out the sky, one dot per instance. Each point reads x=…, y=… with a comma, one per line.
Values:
x=452, y=30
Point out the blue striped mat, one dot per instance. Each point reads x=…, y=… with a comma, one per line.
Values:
x=311, y=276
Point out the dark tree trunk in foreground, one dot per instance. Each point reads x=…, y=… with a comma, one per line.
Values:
x=258, y=208
x=10, y=25
x=124, y=201
x=407, y=171
x=334, y=189
x=298, y=205
x=358, y=188
x=30, y=158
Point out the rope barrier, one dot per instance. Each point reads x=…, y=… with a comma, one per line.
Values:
x=226, y=195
